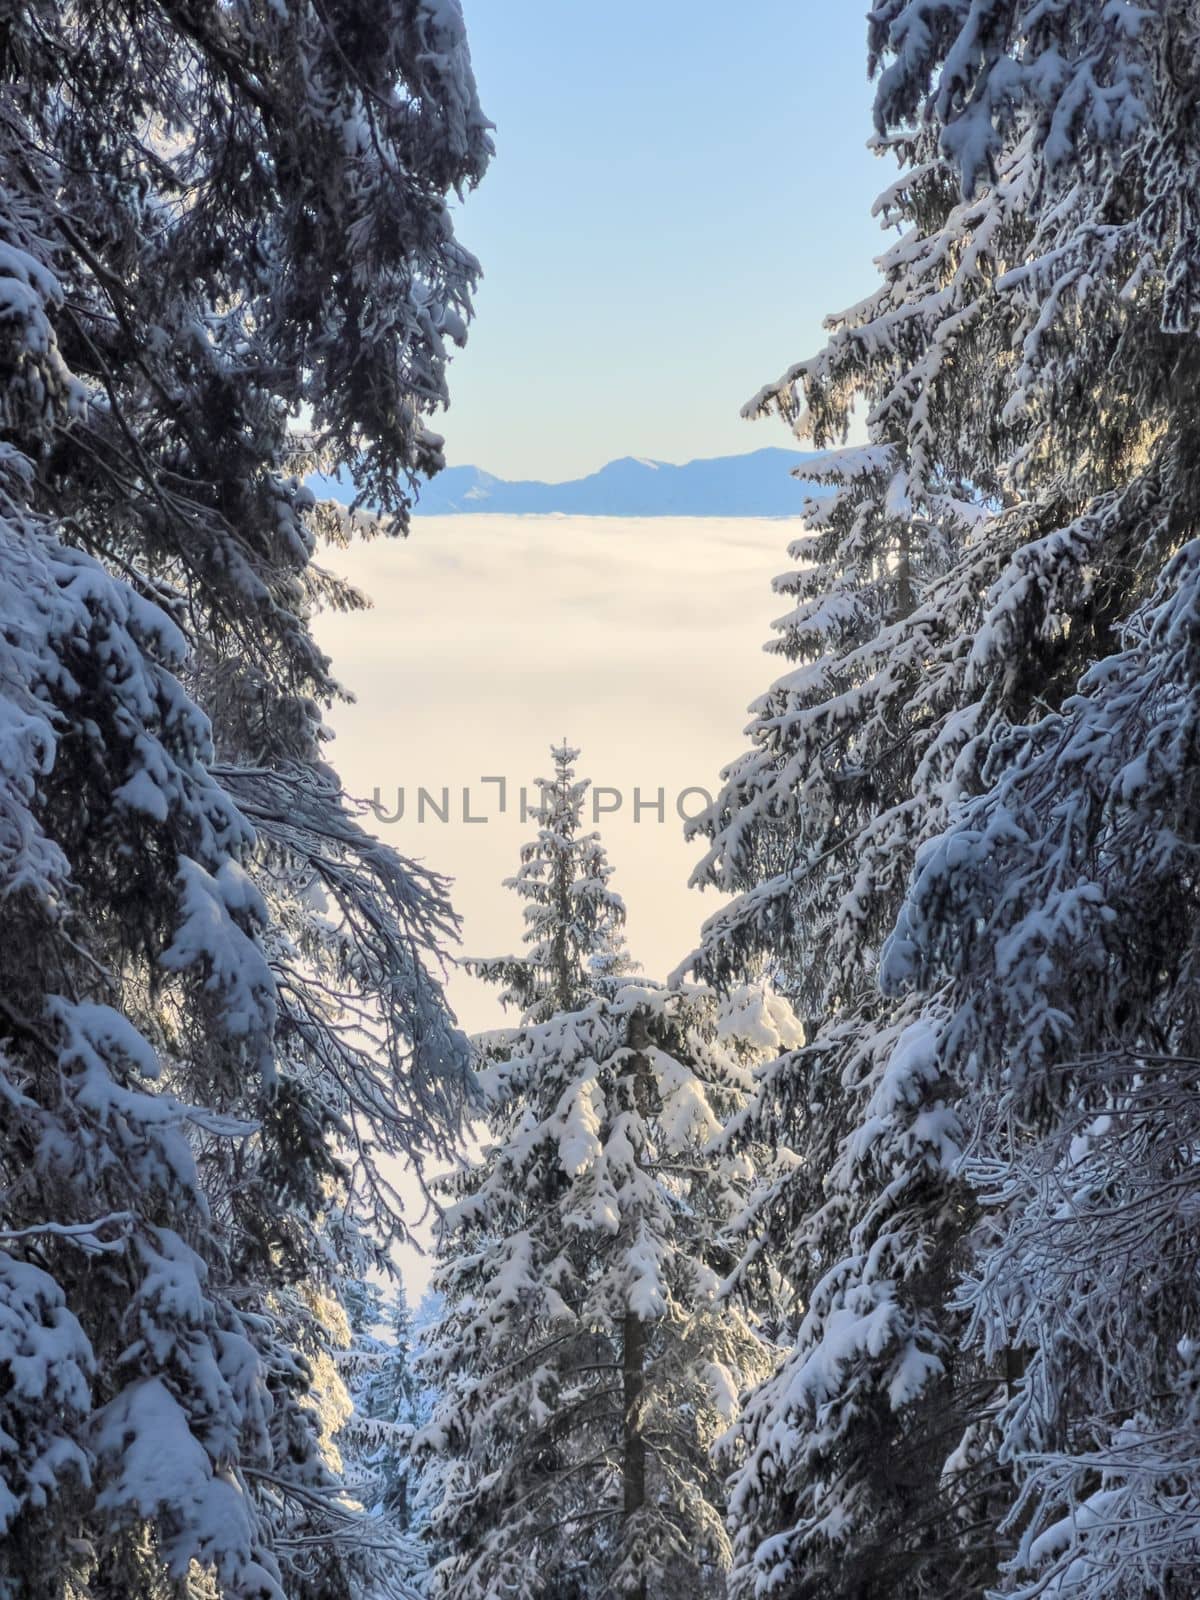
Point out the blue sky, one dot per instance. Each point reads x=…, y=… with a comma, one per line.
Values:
x=681, y=192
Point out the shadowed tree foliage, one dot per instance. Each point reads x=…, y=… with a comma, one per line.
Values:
x=217, y=1004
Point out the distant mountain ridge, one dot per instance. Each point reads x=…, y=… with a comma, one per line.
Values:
x=758, y=484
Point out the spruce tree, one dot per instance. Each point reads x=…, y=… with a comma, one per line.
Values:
x=1054, y=921
x=1025, y=375
x=211, y=218
x=391, y=1400
x=388, y=1400
x=586, y=1360
x=937, y=599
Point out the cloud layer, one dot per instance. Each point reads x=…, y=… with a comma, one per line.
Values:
x=638, y=640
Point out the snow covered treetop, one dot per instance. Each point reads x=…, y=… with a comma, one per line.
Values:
x=573, y=919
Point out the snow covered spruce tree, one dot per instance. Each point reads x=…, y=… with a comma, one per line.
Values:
x=390, y=1400
x=585, y=1360
x=1054, y=923
x=966, y=564
x=210, y=217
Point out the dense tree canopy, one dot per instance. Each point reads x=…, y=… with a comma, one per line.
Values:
x=1017, y=521
x=897, y=1301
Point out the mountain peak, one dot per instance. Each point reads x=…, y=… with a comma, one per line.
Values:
x=760, y=483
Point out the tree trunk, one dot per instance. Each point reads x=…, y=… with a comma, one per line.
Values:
x=633, y=1329
x=633, y=1473
x=905, y=596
